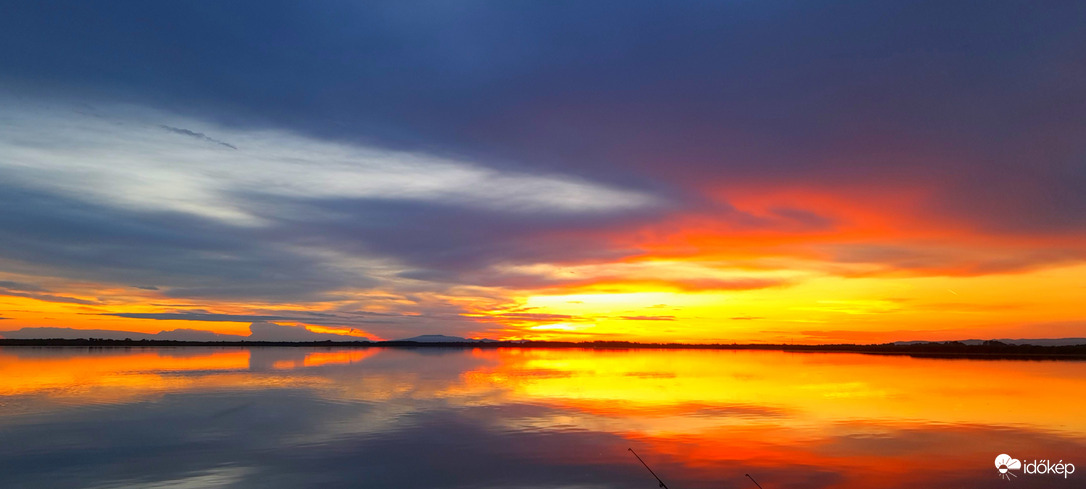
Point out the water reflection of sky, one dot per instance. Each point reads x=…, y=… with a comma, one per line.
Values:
x=290, y=418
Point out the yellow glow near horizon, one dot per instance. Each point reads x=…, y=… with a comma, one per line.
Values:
x=839, y=309
x=819, y=308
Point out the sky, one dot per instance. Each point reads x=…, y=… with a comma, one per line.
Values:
x=807, y=172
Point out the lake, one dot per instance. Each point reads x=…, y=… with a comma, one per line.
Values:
x=531, y=418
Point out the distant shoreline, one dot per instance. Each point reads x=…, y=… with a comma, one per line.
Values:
x=988, y=350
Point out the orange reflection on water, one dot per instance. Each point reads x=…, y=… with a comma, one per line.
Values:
x=701, y=417
x=24, y=372
x=810, y=388
x=710, y=415
x=316, y=359
x=115, y=375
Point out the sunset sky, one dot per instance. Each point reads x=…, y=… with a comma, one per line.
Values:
x=738, y=171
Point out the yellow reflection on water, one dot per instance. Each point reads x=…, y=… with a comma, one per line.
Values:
x=811, y=388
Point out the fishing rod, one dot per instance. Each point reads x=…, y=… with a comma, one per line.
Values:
x=665, y=485
x=650, y=470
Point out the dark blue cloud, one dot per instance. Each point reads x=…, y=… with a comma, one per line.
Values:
x=189, y=256
x=972, y=98
x=258, y=331
x=439, y=237
x=196, y=316
x=19, y=286
x=17, y=289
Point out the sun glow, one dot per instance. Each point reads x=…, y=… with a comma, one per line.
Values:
x=827, y=309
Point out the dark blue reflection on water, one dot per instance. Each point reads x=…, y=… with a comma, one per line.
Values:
x=291, y=418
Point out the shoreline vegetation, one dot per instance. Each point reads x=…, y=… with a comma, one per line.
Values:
x=948, y=349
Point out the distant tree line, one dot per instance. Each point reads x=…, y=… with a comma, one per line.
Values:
x=987, y=349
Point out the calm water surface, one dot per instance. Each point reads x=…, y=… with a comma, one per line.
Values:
x=516, y=418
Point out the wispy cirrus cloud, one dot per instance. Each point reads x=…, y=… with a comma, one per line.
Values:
x=122, y=157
